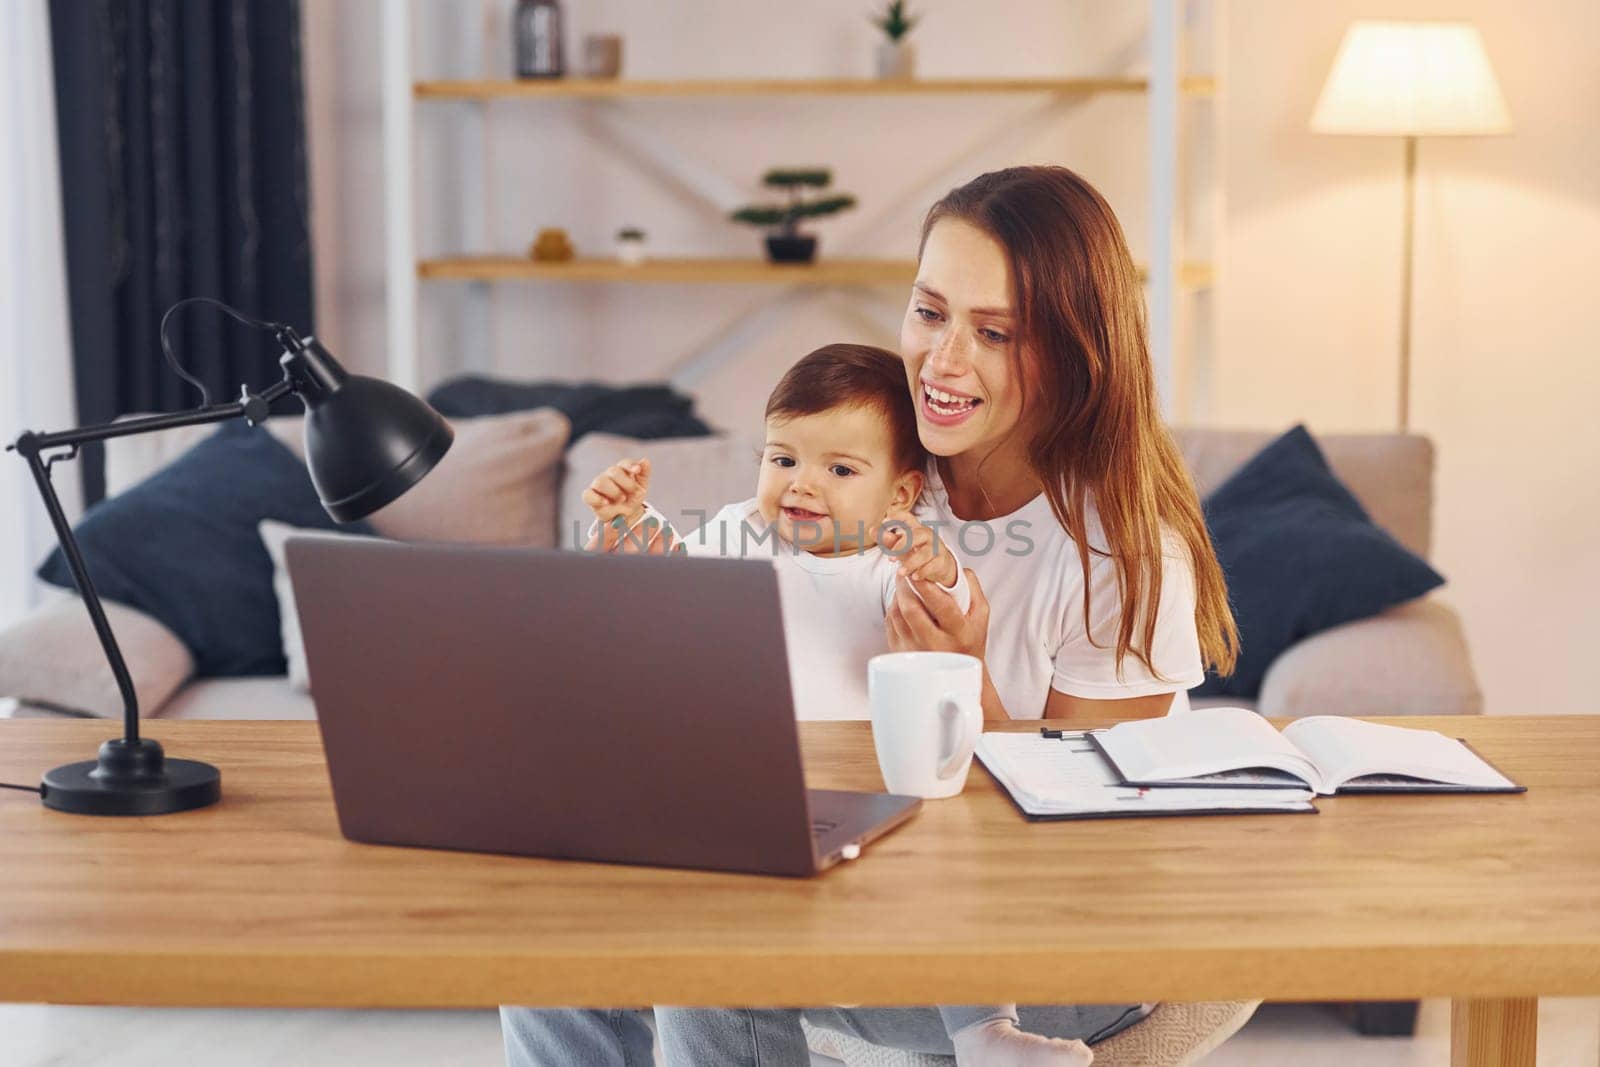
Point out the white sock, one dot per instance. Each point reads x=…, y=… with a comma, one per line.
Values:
x=999, y=1043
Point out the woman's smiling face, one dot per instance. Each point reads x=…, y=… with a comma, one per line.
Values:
x=959, y=342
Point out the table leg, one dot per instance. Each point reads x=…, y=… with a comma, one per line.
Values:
x=1494, y=1033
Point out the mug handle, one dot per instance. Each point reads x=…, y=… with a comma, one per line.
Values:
x=961, y=750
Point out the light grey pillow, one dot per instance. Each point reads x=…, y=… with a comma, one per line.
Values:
x=274, y=535
x=496, y=485
x=52, y=660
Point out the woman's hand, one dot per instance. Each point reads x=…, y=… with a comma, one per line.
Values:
x=925, y=618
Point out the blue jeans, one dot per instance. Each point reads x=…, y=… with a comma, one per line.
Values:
x=768, y=1037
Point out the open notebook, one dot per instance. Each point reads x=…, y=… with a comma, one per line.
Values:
x=1064, y=776
x=1234, y=748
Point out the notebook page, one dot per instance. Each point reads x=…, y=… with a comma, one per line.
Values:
x=1202, y=742
x=1068, y=776
x=1351, y=748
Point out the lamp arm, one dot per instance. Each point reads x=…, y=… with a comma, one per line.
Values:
x=32, y=446
x=251, y=408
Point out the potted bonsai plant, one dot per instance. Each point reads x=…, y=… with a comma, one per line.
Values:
x=786, y=244
x=897, y=58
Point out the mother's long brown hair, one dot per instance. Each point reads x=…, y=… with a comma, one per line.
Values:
x=1080, y=309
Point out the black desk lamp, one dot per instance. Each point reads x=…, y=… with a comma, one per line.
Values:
x=367, y=442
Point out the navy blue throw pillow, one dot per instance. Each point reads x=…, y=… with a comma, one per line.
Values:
x=643, y=411
x=182, y=547
x=1300, y=555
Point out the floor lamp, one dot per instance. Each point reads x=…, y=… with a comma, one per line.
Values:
x=1410, y=80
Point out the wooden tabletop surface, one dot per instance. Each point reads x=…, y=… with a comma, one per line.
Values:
x=259, y=901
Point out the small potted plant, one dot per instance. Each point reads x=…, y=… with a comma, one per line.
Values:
x=630, y=246
x=786, y=244
x=897, y=57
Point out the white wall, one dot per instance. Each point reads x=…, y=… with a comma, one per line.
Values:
x=1506, y=341
x=548, y=165
x=1505, y=338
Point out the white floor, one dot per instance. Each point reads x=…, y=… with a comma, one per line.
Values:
x=33, y=1035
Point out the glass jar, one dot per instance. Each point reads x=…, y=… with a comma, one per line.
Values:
x=537, y=26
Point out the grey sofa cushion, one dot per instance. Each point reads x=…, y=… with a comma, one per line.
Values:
x=496, y=486
x=1390, y=474
x=687, y=475
x=1409, y=660
x=240, y=698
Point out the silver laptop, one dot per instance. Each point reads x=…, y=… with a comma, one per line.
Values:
x=615, y=708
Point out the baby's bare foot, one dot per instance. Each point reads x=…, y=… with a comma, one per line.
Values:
x=999, y=1043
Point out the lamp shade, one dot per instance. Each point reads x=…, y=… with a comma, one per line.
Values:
x=1411, y=78
x=367, y=441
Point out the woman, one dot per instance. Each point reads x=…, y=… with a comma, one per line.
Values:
x=1095, y=590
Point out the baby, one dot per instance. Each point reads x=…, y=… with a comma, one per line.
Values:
x=841, y=472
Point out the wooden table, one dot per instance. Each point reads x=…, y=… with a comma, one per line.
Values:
x=1491, y=900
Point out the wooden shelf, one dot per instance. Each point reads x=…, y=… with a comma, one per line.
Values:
x=611, y=88
x=703, y=271
x=672, y=271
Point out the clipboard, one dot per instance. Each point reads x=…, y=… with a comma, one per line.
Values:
x=1086, y=780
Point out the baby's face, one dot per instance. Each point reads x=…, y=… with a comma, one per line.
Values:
x=828, y=480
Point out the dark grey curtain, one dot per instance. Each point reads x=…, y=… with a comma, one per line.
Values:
x=183, y=173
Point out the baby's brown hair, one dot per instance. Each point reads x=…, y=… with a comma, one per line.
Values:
x=836, y=376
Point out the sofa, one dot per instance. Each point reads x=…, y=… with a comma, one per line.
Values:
x=1409, y=660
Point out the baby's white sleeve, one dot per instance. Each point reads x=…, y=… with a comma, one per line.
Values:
x=636, y=531
x=731, y=533
x=961, y=591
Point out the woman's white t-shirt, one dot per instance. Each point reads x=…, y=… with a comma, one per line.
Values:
x=1030, y=572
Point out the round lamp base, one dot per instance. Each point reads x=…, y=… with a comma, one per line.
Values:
x=139, y=782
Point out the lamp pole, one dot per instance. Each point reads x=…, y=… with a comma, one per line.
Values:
x=1406, y=246
x=1411, y=78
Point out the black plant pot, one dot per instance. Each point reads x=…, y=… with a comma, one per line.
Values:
x=795, y=249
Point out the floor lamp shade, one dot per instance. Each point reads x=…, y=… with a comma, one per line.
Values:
x=1422, y=79
x=1410, y=80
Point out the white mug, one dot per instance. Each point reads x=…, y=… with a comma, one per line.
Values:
x=927, y=713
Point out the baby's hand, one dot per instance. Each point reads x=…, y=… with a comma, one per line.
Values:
x=921, y=554
x=621, y=525
x=619, y=492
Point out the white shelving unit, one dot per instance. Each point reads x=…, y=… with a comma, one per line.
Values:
x=1180, y=286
